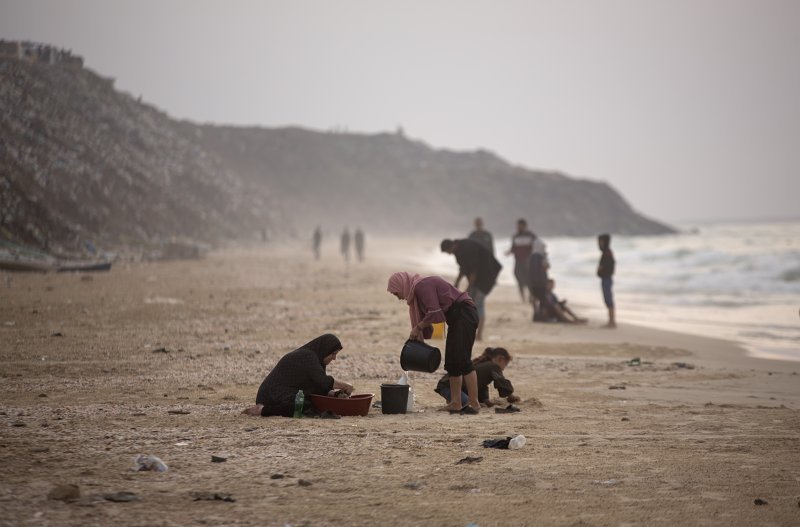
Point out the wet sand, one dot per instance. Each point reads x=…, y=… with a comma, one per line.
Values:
x=698, y=433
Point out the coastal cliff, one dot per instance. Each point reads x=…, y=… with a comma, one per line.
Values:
x=81, y=161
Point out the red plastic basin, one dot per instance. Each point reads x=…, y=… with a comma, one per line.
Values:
x=357, y=404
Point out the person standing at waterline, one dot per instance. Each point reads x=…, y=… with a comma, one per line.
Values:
x=605, y=270
x=431, y=300
x=521, y=248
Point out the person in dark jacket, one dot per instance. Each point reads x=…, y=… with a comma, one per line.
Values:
x=605, y=270
x=481, y=269
x=489, y=369
x=301, y=369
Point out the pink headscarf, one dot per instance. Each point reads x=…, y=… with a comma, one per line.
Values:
x=404, y=284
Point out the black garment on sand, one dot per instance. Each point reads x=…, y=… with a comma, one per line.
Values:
x=488, y=372
x=301, y=369
x=462, y=324
x=472, y=257
x=606, y=267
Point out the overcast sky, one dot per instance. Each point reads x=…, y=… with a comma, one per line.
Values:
x=690, y=108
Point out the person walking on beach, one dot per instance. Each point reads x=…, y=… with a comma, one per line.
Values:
x=605, y=270
x=359, y=240
x=432, y=300
x=482, y=236
x=345, y=244
x=481, y=269
x=317, y=241
x=302, y=369
x=521, y=248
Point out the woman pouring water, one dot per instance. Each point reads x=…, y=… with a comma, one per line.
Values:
x=302, y=369
x=432, y=300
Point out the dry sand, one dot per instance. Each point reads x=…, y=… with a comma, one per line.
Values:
x=83, y=392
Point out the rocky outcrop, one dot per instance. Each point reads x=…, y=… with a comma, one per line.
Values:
x=80, y=161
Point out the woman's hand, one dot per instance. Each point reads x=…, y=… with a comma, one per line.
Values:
x=415, y=333
x=345, y=387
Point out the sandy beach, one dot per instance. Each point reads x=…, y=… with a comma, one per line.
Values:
x=160, y=358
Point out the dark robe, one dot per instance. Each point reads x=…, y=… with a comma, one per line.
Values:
x=488, y=372
x=472, y=257
x=301, y=369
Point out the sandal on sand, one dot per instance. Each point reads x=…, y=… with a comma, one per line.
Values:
x=467, y=410
x=510, y=409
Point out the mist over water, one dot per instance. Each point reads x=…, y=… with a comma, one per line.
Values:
x=737, y=281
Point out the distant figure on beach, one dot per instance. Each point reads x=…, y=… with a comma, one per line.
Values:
x=359, y=241
x=538, y=266
x=555, y=309
x=481, y=269
x=432, y=300
x=605, y=270
x=344, y=244
x=489, y=367
x=317, y=241
x=301, y=369
x=521, y=248
x=482, y=236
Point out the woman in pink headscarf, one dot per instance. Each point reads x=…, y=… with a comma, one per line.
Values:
x=431, y=300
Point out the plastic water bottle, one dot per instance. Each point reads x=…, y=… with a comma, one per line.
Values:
x=299, y=400
x=516, y=442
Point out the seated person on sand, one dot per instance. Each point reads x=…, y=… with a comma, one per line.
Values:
x=301, y=369
x=489, y=368
x=555, y=309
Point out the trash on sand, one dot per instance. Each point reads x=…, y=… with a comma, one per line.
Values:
x=179, y=412
x=496, y=443
x=212, y=496
x=121, y=497
x=469, y=460
x=218, y=459
x=685, y=365
x=148, y=462
x=636, y=361
x=617, y=387
x=516, y=442
x=759, y=501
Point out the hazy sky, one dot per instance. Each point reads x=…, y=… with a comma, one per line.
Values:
x=690, y=108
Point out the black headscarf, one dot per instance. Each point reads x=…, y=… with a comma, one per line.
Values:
x=324, y=345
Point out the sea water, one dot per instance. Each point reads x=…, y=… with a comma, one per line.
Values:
x=737, y=281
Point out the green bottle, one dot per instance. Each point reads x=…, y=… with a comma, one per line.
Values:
x=299, y=400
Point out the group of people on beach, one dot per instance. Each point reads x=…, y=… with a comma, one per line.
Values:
x=344, y=243
x=433, y=300
x=476, y=261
